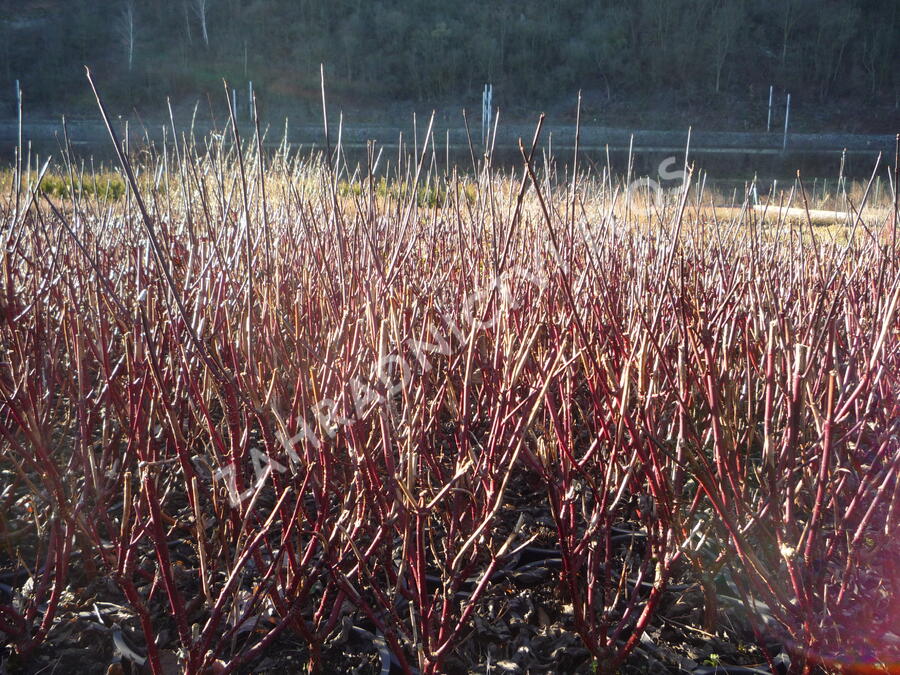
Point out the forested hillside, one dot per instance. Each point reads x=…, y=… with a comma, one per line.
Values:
x=824, y=51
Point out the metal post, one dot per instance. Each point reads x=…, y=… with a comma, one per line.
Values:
x=251, y=104
x=483, y=97
x=234, y=102
x=484, y=116
x=490, y=110
x=769, y=120
x=19, y=119
x=787, y=116
x=486, y=112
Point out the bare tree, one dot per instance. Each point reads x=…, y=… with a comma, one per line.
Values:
x=202, y=9
x=126, y=30
x=725, y=21
x=187, y=23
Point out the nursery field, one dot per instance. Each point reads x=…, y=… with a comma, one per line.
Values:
x=276, y=413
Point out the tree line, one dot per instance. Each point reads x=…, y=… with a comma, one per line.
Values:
x=377, y=50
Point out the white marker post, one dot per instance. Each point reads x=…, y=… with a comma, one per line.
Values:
x=234, y=102
x=787, y=116
x=769, y=120
x=19, y=120
x=251, y=106
x=486, y=111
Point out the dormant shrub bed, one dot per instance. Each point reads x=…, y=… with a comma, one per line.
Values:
x=268, y=413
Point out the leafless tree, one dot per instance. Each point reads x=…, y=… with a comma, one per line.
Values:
x=126, y=30
x=725, y=23
x=187, y=23
x=202, y=9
